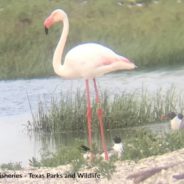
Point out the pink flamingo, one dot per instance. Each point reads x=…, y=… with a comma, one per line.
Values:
x=85, y=61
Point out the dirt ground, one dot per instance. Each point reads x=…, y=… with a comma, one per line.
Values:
x=163, y=169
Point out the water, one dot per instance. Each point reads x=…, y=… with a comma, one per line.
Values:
x=15, y=144
x=15, y=96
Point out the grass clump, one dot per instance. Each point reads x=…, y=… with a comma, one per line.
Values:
x=120, y=111
x=11, y=166
x=106, y=169
x=145, y=143
x=73, y=155
x=63, y=155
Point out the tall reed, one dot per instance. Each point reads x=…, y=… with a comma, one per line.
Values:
x=120, y=110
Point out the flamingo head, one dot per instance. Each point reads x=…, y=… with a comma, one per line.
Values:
x=56, y=16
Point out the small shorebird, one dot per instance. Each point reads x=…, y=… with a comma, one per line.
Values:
x=88, y=154
x=176, y=120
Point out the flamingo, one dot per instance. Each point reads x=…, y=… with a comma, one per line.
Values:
x=85, y=61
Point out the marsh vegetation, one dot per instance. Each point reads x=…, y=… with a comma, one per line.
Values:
x=151, y=35
x=127, y=109
x=142, y=145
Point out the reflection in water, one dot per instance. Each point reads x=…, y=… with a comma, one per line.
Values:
x=14, y=95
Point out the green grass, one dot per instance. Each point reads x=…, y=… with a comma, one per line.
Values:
x=72, y=155
x=141, y=144
x=151, y=35
x=144, y=144
x=120, y=111
x=11, y=166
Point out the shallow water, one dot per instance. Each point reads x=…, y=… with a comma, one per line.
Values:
x=15, y=96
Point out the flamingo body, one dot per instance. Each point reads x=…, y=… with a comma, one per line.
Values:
x=92, y=60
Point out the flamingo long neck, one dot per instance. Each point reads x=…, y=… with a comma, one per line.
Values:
x=58, y=67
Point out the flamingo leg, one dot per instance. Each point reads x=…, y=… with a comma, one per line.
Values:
x=100, y=118
x=88, y=114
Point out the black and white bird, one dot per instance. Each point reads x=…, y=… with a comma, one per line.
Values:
x=176, y=120
x=87, y=153
x=116, y=150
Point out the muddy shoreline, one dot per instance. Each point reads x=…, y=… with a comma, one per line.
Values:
x=167, y=168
